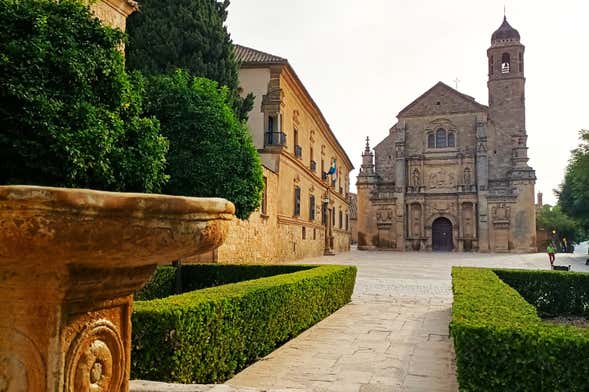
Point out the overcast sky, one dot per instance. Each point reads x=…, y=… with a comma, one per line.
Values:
x=364, y=60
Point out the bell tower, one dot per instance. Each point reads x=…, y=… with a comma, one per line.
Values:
x=509, y=172
x=506, y=86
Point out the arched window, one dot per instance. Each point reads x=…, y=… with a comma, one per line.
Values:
x=505, y=63
x=451, y=139
x=441, y=138
x=431, y=141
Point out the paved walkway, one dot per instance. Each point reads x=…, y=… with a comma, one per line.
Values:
x=392, y=337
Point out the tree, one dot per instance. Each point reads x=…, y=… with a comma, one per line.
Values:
x=70, y=115
x=189, y=34
x=573, y=194
x=211, y=152
x=553, y=219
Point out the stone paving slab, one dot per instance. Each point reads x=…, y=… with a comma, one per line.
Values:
x=393, y=336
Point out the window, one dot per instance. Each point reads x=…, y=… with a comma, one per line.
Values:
x=297, y=201
x=333, y=217
x=341, y=224
x=270, y=124
x=324, y=213
x=314, y=234
x=304, y=234
x=440, y=138
x=347, y=222
x=431, y=141
x=505, y=63
x=312, y=208
x=451, y=139
x=521, y=62
x=265, y=197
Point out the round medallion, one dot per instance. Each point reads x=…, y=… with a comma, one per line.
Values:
x=96, y=360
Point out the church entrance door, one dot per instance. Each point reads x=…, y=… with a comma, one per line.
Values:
x=442, y=235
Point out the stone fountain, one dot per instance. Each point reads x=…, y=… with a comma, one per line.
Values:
x=70, y=261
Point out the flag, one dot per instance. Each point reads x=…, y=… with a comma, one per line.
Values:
x=333, y=168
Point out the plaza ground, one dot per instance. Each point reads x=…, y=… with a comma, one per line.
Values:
x=393, y=336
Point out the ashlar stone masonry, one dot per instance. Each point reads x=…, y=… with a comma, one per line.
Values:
x=453, y=174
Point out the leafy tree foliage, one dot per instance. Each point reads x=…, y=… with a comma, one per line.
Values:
x=189, y=34
x=573, y=195
x=211, y=152
x=69, y=113
x=552, y=218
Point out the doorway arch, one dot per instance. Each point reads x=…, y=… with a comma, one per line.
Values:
x=442, y=235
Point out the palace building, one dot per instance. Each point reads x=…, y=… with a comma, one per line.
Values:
x=453, y=174
x=305, y=210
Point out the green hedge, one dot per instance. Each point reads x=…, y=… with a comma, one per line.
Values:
x=208, y=335
x=552, y=294
x=201, y=276
x=501, y=343
x=162, y=284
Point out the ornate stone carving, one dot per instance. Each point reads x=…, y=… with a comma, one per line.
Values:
x=384, y=215
x=501, y=212
x=441, y=179
x=96, y=359
x=467, y=179
x=416, y=178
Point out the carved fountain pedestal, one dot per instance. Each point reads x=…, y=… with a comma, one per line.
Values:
x=70, y=261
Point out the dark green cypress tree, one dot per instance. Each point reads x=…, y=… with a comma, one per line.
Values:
x=169, y=34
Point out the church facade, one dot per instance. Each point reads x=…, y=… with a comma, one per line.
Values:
x=453, y=174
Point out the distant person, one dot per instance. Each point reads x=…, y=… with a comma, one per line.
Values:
x=551, y=251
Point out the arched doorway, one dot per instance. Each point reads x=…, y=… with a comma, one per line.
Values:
x=442, y=235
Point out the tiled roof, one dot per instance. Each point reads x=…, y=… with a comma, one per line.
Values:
x=247, y=55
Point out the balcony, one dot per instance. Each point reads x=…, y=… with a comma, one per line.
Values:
x=298, y=151
x=272, y=138
x=313, y=166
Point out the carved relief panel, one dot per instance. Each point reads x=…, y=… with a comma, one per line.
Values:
x=441, y=179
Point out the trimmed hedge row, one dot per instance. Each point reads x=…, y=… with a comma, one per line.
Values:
x=208, y=335
x=200, y=276
x=502, y=345
x=162, y=284
x=552, y=294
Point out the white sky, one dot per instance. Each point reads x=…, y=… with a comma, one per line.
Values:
x=363, y=61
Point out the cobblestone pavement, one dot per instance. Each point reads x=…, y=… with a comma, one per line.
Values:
x=393, y=336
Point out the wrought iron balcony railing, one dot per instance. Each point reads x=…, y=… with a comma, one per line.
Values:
x=275, y=138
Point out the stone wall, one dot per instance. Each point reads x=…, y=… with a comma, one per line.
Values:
x=114, y=13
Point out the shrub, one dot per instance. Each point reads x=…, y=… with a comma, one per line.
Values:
x=200, y=276
x=70, y=114
x=502, y=345
x=162, y=284
x=208, y=335
x=211, y=152
x=552, y=294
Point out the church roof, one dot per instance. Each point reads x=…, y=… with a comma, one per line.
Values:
x=505, y=31
x=440, y=93
x=247, y=55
